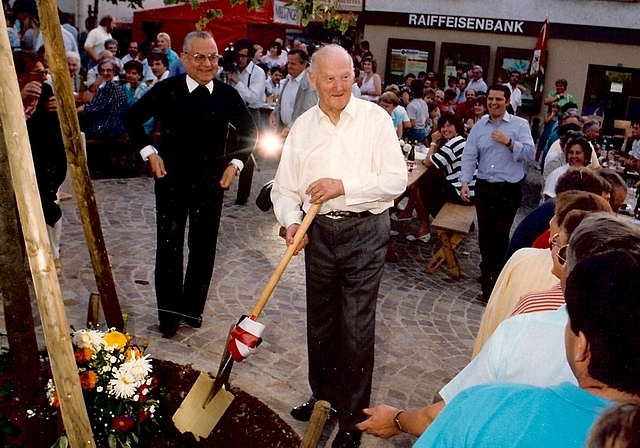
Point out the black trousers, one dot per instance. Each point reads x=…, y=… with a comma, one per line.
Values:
x=175, y=202
x=496, y=207
x=436, y=190
x=344, y=261
x=246, y=175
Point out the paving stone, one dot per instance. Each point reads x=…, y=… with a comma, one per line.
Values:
x=426, y=324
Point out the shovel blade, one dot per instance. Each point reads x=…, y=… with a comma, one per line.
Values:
x=192, y=417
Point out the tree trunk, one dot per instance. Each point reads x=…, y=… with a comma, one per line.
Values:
x=18, y=315
x=45, y=280
x=76, y=158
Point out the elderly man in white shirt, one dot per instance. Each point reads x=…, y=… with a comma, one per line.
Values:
x=342, y=154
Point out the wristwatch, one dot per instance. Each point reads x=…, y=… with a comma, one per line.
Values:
x=509, y=143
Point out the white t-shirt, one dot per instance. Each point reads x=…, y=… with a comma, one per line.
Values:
x=525, y=349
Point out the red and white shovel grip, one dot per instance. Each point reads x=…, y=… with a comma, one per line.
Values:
x=245, y=337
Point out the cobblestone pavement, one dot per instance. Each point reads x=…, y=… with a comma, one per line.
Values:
x=426, y=324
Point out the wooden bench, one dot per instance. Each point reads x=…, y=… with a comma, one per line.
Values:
x=453, y=223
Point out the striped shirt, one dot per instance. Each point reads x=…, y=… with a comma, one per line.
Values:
x=549, y=300
x=449, y=159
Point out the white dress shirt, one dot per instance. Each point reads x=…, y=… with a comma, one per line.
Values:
x=288, y=97
x=251, y=86
x=361, y=150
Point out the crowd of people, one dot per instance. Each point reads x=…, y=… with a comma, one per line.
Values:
x=556, y=352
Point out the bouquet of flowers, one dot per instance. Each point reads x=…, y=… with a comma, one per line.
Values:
x=117, y=386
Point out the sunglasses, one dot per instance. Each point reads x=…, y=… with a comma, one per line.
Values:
x=562, y=250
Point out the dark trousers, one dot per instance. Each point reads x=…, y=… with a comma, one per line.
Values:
x=246, y=175
x=344, y=260
x=436, y=190
x=174, y=204
x=496, y=207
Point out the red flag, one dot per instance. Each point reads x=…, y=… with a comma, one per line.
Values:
x=538, y=64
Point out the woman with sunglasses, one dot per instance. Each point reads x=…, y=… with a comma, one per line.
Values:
x=572, y=207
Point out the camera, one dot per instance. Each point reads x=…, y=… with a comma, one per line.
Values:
x=228, y=61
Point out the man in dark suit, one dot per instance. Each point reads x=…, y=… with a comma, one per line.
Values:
x=193, y=166
x=297, y=94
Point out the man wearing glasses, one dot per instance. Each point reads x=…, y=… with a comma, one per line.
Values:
x=192, y=167
x=249, y=80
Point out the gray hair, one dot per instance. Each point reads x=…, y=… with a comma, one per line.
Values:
x=333, y=48
x=114, y=64
x=477, y=67
x=590, y=123
x=73, y=55
x=194, y=35
x=600, y=233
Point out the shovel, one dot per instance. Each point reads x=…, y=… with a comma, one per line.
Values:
x=208, y=399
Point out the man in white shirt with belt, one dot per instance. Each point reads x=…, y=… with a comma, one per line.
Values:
x=297, y=94
x=343, y=154
x=516, y=93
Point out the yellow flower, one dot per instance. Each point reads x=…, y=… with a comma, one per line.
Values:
x=115, y=338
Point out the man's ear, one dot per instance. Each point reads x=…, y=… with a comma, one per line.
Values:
x=582, y=350
x=312, y=79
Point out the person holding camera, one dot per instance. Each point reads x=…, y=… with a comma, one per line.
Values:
x=249, y=80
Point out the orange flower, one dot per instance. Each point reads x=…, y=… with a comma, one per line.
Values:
x=88, y=379
x=133, y=353
x=55, y=402
x=83, y=355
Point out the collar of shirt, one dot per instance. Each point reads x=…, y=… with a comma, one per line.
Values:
x=350, y=109
x=192, y=84
x=506, y=117
x=298, y=78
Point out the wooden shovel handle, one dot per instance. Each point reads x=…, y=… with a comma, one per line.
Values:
x=282, y=265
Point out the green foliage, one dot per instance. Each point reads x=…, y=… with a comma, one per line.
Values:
x=134, y=4
x=7, y=428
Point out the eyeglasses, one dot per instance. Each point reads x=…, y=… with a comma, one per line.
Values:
x=38, y=73
x=199, y=57
x=562, y=250
x=242, y=55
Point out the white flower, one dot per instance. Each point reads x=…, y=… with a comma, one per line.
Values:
x=30, y=413
x=89, y=338
x=123, y=383
x=138, y=368
x=99, y=389
x=113, y=359
x=406, y=147
x=152, y=409
x=136, y=397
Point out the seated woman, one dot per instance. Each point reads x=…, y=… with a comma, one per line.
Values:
x=103, y=120
x=418, y=113
x=440, y=183
x=479, y=110
x=577, y=153
x=389, y=102
x=105, y=112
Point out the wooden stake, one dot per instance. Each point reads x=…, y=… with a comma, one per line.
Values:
x=18, y=316
x=85, y=197
x=316, y=424
x=45, y=280
x=93, y=313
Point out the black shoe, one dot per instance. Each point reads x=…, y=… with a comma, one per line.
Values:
x=347, y=439
x=193, y=322
x=304, y=411
x=241, y=201
x=169, y=328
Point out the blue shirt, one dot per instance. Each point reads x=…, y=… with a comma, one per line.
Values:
x=515, y=415
x=495, y=162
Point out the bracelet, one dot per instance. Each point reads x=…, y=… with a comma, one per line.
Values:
x=397, y=422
